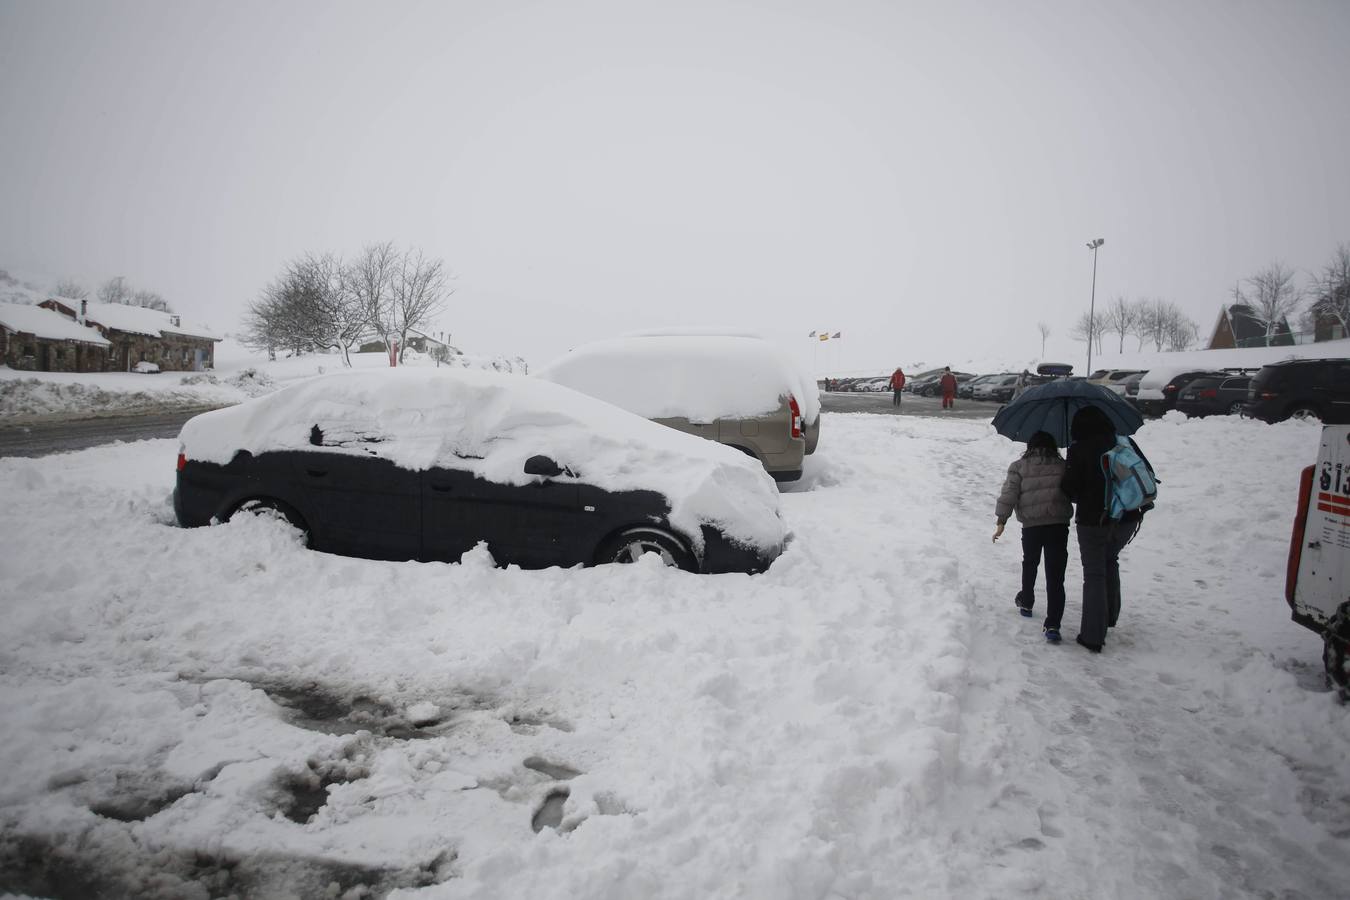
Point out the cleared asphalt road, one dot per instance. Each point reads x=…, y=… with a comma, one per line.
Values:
x=41, y=439
x=880, y=402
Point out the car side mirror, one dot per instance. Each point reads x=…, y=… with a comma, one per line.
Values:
x=542, y=465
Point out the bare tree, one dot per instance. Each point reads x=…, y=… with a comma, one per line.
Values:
x=1044, y=329
x=1118, y=317
x=311, y=305
x=70, y=289
x=149, y=300
x=419, y=292
x=1273, y=297
x=371, y=277
x=1089, y=327
x=1332, y=290
x=1150, y=322
x=1179, y=330
x=115, y=290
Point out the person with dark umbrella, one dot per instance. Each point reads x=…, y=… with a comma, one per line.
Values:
x=1100, y=539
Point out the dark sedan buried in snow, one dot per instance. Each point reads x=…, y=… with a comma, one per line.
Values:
x=425, y=464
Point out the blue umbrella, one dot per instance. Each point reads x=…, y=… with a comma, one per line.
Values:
x=1051, y=407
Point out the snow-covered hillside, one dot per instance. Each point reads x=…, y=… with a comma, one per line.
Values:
x=222, y=711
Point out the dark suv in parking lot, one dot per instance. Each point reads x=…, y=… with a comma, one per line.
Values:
x=1301, y=389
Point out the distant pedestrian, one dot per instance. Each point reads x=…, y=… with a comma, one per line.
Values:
x=1100, y=539
x=897, y=385
x=1022, y=381
x=1032, y=489
x=948, y=385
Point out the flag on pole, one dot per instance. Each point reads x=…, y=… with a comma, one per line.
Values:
x=824, y=336
x=837, y=334
x=812, y=334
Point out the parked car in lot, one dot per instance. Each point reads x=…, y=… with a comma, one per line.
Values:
x=966, y=389
x=738, y=390
x=1114, y=379
x=1301, y=389
x=1159, y=388
x=1214, y=395
x=425, y=464
x=146, y=368
x=1000, y=387
x=932, y=387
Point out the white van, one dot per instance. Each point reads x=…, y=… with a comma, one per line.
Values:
x=737, y=389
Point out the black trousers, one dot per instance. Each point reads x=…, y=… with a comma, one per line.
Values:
x=1100, y=546
x=1053, y=542
x=895, y=401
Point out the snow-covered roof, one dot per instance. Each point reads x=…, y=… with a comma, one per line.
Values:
x=45, y=323
x=139, y=320
x=489, y=424
x=699, y=376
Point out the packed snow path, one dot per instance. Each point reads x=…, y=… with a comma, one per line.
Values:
x=220, y=709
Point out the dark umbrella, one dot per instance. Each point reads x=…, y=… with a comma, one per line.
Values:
x=1051, y=406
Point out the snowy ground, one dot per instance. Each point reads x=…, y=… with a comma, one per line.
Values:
x=221, y=710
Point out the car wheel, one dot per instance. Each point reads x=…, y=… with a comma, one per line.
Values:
x=631, y=543
x=1305, y=413
x=1235, y=408
x=274, y=509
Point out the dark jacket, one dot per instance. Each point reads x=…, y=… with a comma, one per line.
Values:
x=1084, y=482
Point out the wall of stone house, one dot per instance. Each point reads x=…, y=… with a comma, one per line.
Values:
x=171, y=352
x=27, y=353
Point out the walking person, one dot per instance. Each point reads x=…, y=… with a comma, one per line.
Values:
x=1100, y=539
x=948, y=385
x=1032, y=489
x=897, y=385
x=1021, y=384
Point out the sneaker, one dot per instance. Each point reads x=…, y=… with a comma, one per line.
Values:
x=1052, y=635
x=1023, y=608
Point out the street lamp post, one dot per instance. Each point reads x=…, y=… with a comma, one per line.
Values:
x=1092, y=306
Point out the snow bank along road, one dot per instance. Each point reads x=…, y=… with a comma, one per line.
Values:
x=194, y=713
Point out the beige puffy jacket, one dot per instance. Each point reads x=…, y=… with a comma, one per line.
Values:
x=1032, y=490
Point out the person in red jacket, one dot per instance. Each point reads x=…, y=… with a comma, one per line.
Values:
x=948, y=385
x=897, y=385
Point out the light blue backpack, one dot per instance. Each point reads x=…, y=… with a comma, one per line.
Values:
x=1130, y=482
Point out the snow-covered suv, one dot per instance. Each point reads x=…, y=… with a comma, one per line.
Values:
x=737, y=389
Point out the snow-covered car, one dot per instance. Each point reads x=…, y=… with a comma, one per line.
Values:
x=426, y=463
x=146, y=368
x=736, y=389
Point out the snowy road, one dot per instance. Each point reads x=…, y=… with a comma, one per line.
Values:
x=41, y=439
x=221, y=710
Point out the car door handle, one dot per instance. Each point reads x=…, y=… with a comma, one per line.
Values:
x=317, y=473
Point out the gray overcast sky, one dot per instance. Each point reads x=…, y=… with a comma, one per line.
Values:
x=922, y=177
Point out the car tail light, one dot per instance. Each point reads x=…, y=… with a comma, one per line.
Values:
x=1209, y=393
x=796, y=416
x=1170, y=389
x=182, y=462
x=1269, y=395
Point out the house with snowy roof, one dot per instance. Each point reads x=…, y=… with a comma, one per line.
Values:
x=137, y=334
x=1238, y=326
x=34, y=339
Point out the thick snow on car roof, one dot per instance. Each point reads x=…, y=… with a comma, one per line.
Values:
x=489, y=424
x=701, y=377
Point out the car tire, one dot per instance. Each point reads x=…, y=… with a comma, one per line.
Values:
x=1305, y=413
x=274, y=509
x=631, y=543
x=1236, y=408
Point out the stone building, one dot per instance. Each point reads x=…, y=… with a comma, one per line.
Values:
x=137, y=334
x=33, y=339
